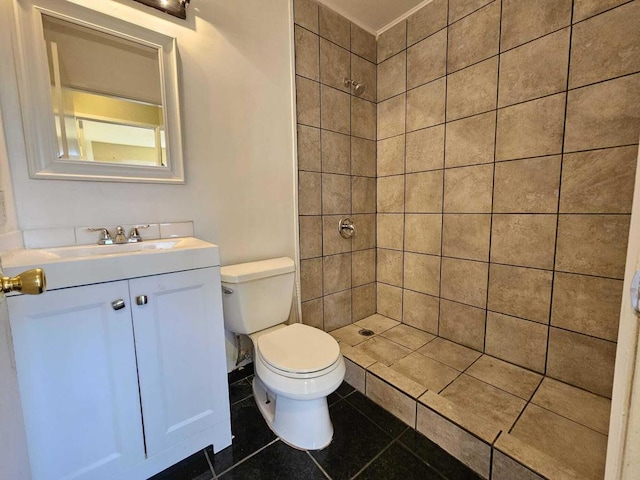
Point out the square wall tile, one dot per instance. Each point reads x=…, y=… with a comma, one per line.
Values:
x=363, y=301
x=392, y=76
x=336, y=194
x=307, y=101
x=309, y=193
x=588, y=305
x=390, y=231
x=363, y=43
x=391, y=117
x=426, y=105
x=335, y=65
x=523, y=240
x=363, y=195
x=422, y=273
x=462, y=8
x=517, y=341
x=534, y=69
x=520, y=292
x=425, y=149
x=305, y=14
x=605, y=46
x=309, y=149
x=583, y=361
x=312, y=313
x=392, y=41
x=421, y=311
x=391, y=399
x=424, y=192
x=366, y=225
x=427, y=60
x=336, y=152
x=337, y=310
x=465, y=281
x=332, y=241
x=422, y=233
x=588, y=8
x=391, y=156
x=336, y=110
x=336, y=273
x=466, y=236
x=334, y=27
x=474, y=38
x=363, y=118
x=603, y=115
x=390, y=196
x=468, y=189
x=389, y=301
x=363, y=71
x=593, y=244
x=310, y=237
x=462, y=324
x=307, y=48
x=471, y=141
x=389, y=266
x=524, y=21
x=426, y=21
x=311, y=278
x=363, y=157
x=527, y=186
x=363, y=267
x=472, y=90
x=467, y=448
x=531, y=129
x=599, y=181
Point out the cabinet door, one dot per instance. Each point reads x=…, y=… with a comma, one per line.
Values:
x=180, y=346
x=76, y=368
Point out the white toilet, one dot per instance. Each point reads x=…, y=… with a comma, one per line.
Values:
x=296, y=366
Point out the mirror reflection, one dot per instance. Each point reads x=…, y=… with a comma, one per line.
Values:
x=104, y=114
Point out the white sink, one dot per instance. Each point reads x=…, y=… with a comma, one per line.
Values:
x=85, y=264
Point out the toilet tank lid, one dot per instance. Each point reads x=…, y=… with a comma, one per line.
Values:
x=245, y=272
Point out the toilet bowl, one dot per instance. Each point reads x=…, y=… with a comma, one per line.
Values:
x=296, y=365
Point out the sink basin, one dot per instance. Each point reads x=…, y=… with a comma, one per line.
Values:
x=85, y=264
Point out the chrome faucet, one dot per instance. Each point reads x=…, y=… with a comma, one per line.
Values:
x=134, y=234
x=120, y=236
x=105, y=237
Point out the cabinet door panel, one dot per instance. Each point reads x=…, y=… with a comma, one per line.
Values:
x=77, y=373
x=180, y=346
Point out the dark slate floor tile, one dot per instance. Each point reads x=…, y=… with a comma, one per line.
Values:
x=250, y=433
x=277, y=461
x=378, y=415
x=345, y=389
x=436, y=457
x=398, y=463
x=240, y=373
x=239, y=391
x=333, y=398
x=356, y=440
x=194, y=467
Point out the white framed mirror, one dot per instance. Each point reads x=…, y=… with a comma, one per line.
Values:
x=99, y=96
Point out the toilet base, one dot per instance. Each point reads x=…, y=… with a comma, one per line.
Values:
x=302, y=424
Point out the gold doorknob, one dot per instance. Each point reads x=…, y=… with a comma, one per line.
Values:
x=31, y=282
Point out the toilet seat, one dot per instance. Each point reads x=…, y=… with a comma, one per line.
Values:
x=299, y=351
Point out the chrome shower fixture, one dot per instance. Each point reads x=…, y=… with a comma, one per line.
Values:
x=358, y=88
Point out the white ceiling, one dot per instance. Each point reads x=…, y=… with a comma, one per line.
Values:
x=374, y=15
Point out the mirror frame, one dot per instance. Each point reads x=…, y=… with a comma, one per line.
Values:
x=35, y=96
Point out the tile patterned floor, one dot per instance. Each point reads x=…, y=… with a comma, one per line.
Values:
x=537, y=420
x=368, y=443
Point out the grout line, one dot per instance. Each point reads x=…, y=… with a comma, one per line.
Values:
x=213, y=472
x=372, y=460
x=277, y=439
x=318, y=465
x=332, y=42
x=525, y=407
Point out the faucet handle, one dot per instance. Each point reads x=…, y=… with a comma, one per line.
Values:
x=134, y=234
x=105, y=237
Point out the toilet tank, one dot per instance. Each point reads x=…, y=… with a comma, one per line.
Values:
x=257, y=295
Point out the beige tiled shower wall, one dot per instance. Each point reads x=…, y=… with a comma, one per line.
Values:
x=507, y=139
x=336, y=165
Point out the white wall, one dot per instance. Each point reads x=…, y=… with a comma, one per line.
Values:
x=237, y=110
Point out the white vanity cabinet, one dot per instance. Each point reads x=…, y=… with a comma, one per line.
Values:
x=122, y=393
